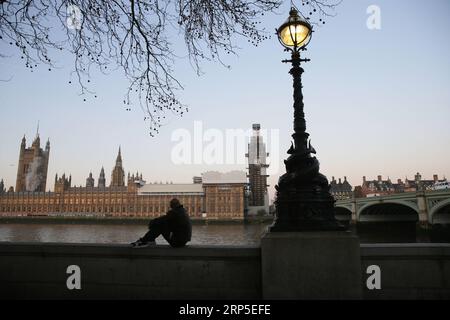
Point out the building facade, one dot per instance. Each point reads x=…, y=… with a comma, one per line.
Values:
x=32, y=167
x=90, y=182
x=258, y=198
x=216, y=200
x=218, y=196
x=118, y=174
x=341, y=190
x=380, y=187
x=102, y=179
x=224, y=194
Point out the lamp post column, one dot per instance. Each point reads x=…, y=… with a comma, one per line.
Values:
x=300, y=135
x=304, y=201
x=297, y=264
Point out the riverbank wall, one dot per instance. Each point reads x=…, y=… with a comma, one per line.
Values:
x=42, y=271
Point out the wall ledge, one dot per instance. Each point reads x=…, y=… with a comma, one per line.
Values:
x=125, y=250
x=416, y=250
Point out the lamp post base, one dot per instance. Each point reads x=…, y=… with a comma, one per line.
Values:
x=306, y=225
x=298, y=216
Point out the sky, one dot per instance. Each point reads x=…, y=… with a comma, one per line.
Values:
x=377, y=102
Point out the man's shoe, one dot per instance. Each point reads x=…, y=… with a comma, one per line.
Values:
x=142, y=244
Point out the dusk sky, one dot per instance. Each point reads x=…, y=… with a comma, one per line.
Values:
x=376, y=102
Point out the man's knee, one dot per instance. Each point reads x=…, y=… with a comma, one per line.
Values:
x=160, y=221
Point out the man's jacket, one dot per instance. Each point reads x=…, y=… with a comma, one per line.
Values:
x=180, y=226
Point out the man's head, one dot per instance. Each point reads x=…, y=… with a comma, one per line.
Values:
x=174, y=203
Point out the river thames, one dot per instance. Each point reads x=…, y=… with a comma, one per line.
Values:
x=211, y=234
x=221, y=234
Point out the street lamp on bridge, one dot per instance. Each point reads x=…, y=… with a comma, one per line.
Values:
x=303, y=202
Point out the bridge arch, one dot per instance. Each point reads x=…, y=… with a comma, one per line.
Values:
x=398, y=211
x=440, y=213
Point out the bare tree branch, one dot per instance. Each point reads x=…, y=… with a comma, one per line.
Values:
x=133, y=36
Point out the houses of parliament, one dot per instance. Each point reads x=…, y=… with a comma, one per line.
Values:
x=214, y=195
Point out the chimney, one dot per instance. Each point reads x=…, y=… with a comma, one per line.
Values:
x=332, y=179
x=340, y=181
x=364, y=179
x=435, y=177
x=380, y=178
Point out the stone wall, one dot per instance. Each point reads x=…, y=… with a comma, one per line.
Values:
x=118, y=271
x=38, y=271
x=408, y=271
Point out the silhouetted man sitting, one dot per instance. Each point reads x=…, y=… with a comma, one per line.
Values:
x=175, y=227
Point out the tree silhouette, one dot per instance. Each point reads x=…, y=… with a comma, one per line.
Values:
x=134, y=37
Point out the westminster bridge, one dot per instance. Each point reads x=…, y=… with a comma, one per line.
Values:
x=425, y=207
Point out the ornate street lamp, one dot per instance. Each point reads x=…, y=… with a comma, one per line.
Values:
x=303, y=202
